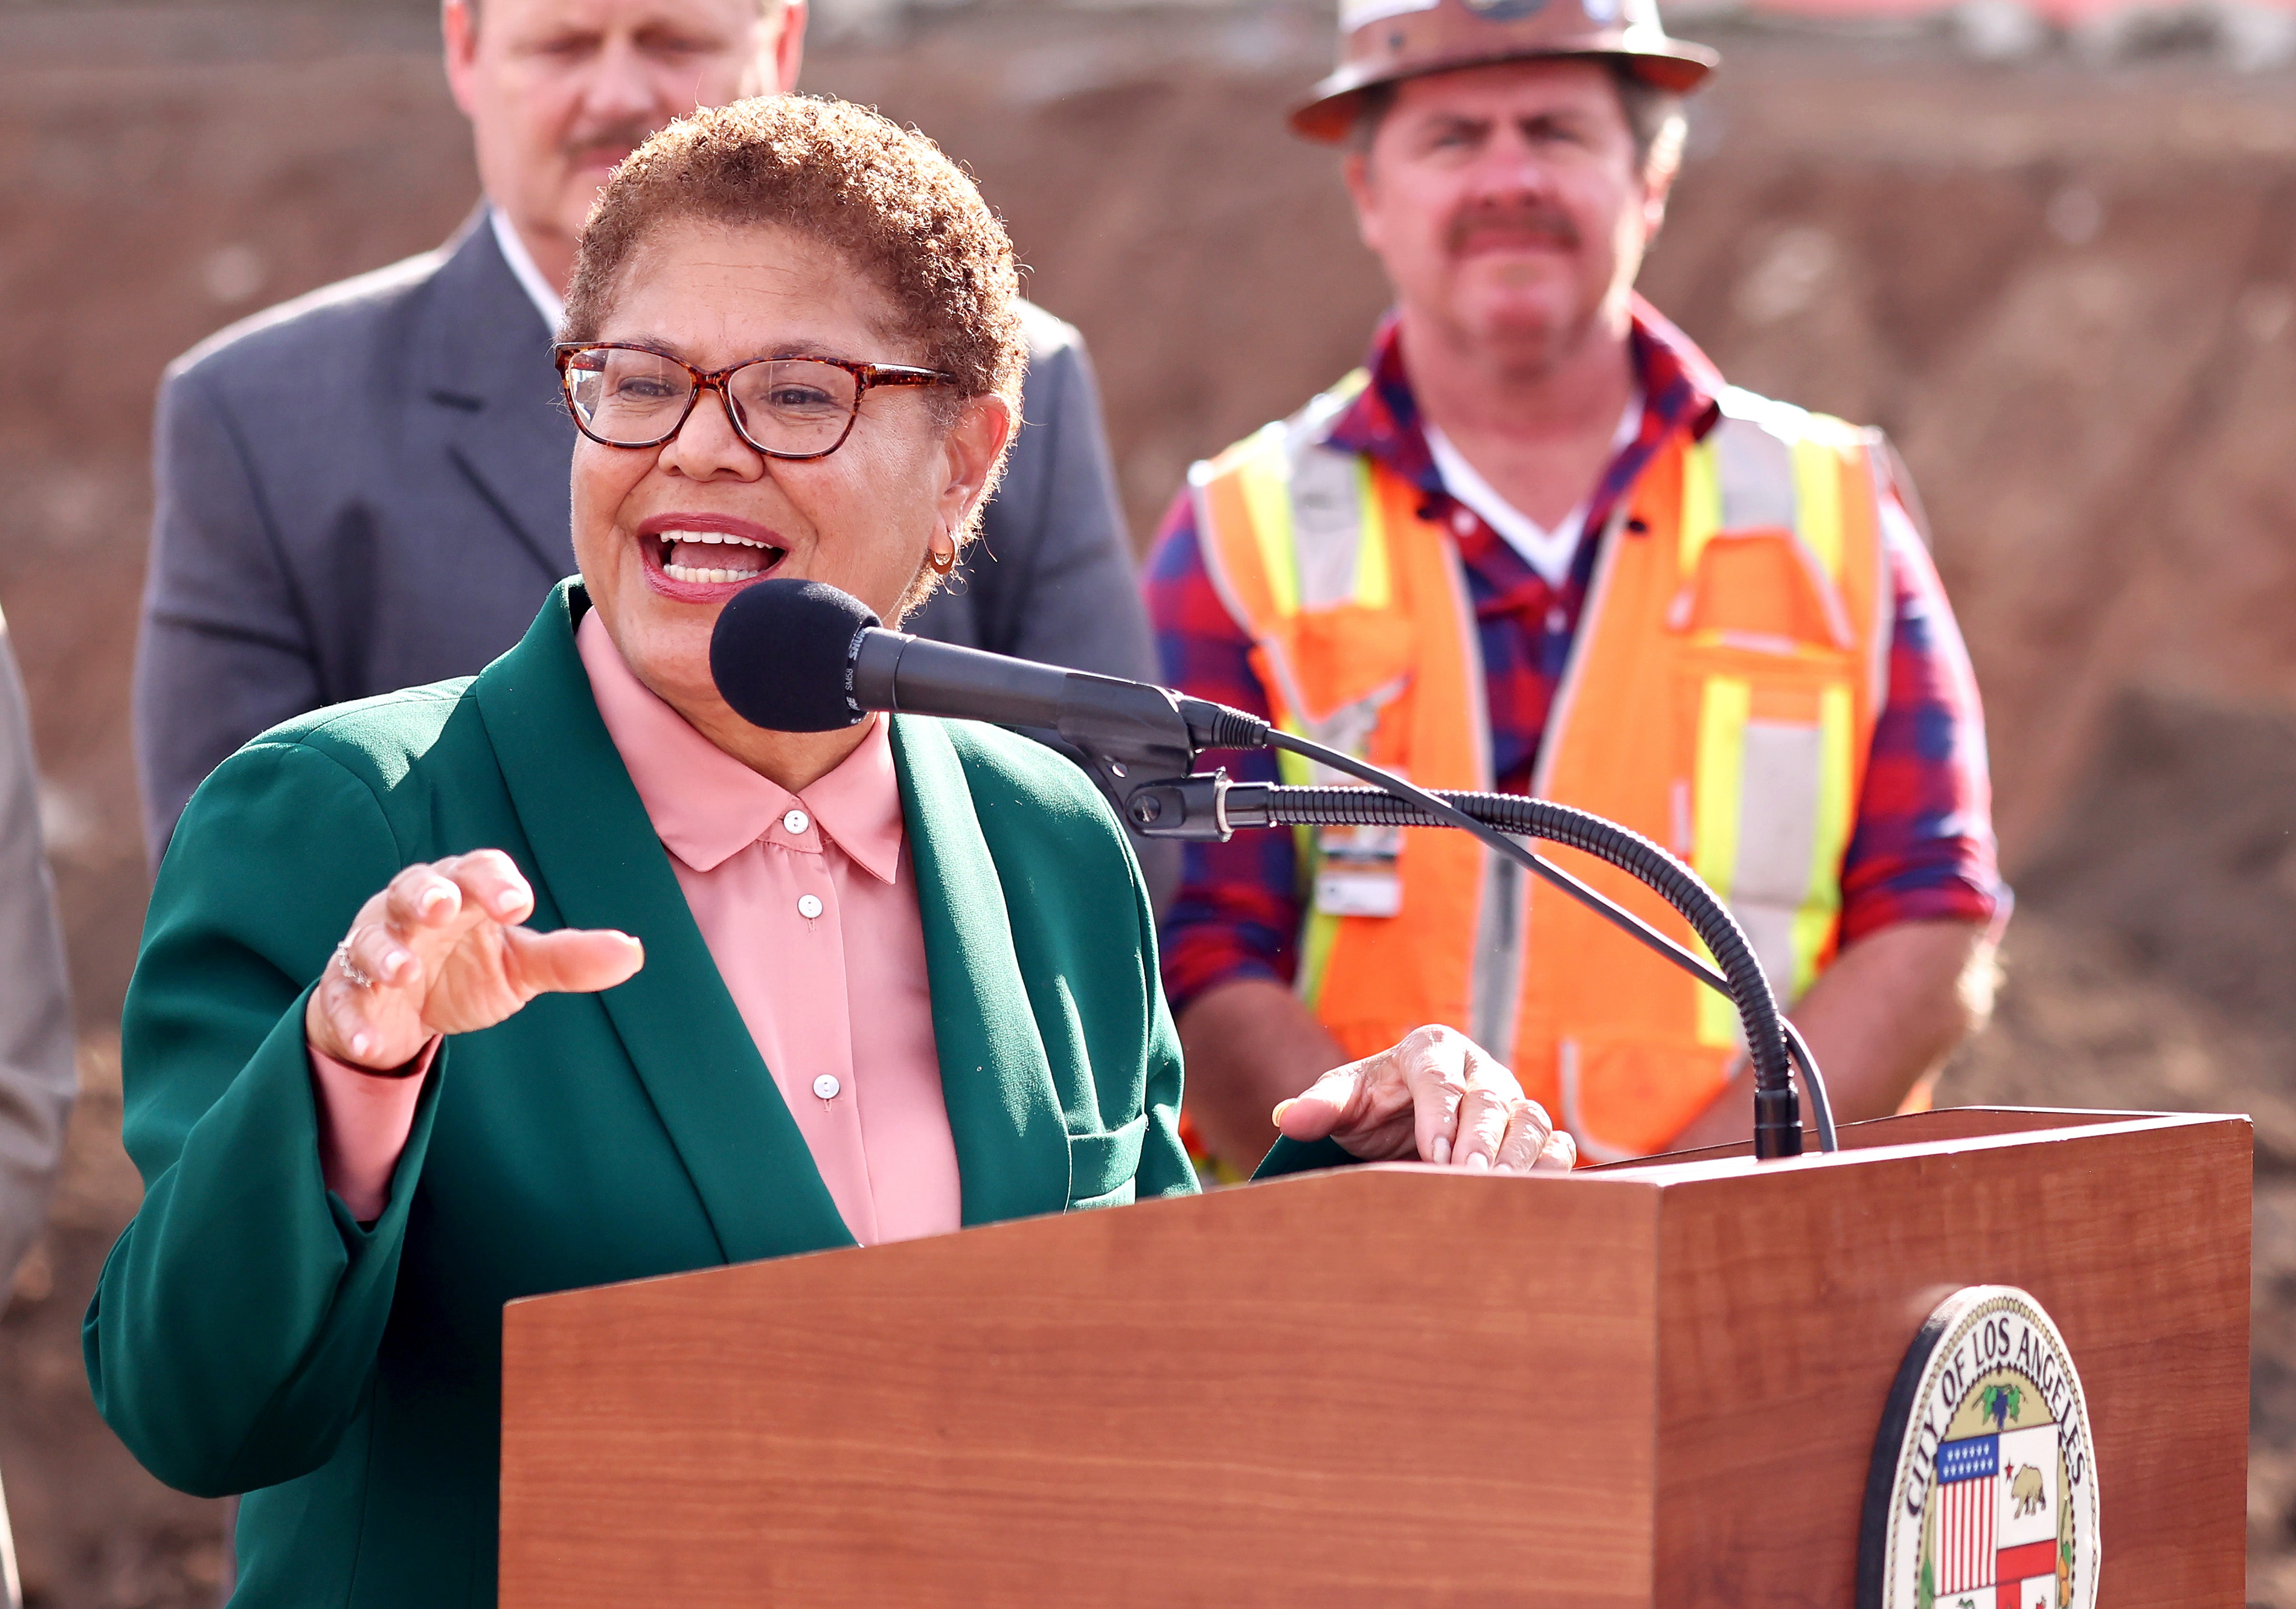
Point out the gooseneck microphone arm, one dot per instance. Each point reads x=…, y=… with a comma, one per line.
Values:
x=1210, y=806
x=1491, y=817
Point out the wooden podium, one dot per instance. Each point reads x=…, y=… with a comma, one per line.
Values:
x=1655, y=1384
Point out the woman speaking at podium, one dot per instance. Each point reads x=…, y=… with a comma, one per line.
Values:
x=565, y=974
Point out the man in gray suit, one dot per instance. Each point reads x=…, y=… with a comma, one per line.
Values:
x=366, y=488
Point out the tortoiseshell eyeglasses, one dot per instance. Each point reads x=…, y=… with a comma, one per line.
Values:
x=786, y=407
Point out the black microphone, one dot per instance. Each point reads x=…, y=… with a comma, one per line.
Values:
x=801, y=656
x=781, y=655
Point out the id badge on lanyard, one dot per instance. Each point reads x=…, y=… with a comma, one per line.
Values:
x=1358, y=871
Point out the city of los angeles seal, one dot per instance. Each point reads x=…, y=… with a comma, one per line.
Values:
x=1982, y=1493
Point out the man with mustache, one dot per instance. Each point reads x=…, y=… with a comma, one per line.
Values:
x=1537, y=544
x=366, y=488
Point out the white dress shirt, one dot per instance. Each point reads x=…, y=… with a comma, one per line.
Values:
x=546, y=301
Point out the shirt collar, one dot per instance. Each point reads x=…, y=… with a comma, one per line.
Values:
x=546, y=301
x=1680, y=385
x=707, y=806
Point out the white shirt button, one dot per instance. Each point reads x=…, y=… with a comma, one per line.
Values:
x=797, y=821
x=826, y=1086
x=1461, y=521
x=809, y=906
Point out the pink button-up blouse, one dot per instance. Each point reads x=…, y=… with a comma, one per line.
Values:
x=809, y=906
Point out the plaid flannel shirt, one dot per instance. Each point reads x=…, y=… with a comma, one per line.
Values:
x=1923, y=848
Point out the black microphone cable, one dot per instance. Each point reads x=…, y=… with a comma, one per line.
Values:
x=1773, y=1044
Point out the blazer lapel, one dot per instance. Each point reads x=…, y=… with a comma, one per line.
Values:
x=486, y=364
x=1012, y=1146
x=603, y=866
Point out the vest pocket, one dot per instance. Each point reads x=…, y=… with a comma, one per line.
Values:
x=1765, y=590
x=1347, y=655
x=1102, y=1166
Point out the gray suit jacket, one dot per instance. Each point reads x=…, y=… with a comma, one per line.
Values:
x=366, y=489
x=37, y=1079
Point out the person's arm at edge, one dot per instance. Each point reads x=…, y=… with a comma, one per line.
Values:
x=37, y=1076
x=221, y=650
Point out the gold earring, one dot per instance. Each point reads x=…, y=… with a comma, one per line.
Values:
x=942, y=560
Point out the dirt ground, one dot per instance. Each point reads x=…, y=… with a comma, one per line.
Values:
x=2070, y=295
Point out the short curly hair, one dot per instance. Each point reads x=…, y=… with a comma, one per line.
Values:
x=886, y=197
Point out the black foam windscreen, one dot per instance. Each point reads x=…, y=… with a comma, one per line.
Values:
x=781, y=653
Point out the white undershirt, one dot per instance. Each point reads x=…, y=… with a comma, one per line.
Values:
x=546, y=301
x=1547, y=552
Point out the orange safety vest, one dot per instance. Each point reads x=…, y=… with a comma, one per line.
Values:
x=1720, y=699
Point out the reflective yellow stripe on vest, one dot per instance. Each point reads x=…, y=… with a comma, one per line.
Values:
x=1323, y=540
x=1774, y=813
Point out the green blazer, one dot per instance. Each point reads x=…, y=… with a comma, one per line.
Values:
x=248, y=1335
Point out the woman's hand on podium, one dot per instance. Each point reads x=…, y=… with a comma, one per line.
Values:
x=440, y=951
x=1437, y=1097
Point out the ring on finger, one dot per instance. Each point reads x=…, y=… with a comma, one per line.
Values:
x=350, y=969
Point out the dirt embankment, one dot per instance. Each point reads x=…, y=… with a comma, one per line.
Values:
x=2068, y=296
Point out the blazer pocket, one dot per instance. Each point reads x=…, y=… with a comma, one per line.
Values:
x=1101, y=1166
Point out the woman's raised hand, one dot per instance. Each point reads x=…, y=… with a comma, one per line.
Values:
x=440, y=951
x=1437, y=1096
